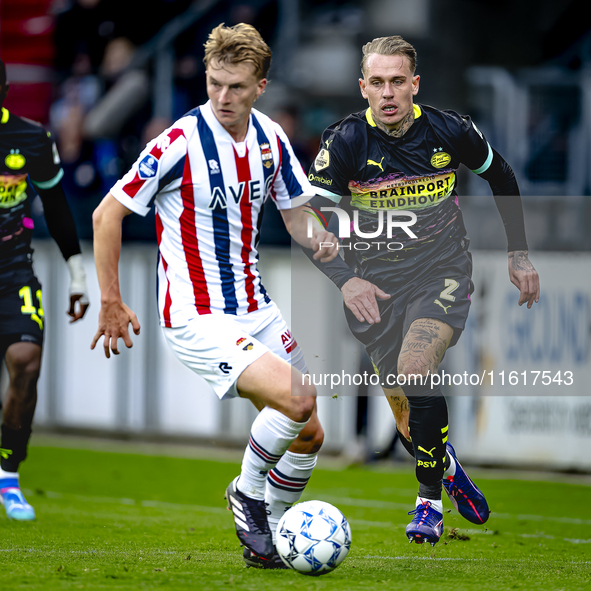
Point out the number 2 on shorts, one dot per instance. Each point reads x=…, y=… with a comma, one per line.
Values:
x=450, y=286
x=36, y=314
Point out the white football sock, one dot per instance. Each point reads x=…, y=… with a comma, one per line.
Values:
x=286, y=483
x=4, y=474
x=451, y=469
x=270, y=436
x=437, y=505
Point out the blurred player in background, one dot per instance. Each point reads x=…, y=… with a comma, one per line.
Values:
x=208, y=175
x=30, y=164
x=407, y=297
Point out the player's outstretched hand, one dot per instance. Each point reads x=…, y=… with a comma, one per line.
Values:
x=360, y=297
x=114, y=320
x=326, y=246
x=78, y=306
x=524, y=277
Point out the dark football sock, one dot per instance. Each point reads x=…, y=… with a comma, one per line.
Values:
x=406, y=443
x=428, y=425
x=13, y=447
x=431, y=492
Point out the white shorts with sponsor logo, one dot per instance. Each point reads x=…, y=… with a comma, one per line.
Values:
x=219, y=347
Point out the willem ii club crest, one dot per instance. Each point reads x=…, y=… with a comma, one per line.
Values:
x=266, y=155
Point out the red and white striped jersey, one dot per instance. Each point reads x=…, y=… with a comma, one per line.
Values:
x=208, y=191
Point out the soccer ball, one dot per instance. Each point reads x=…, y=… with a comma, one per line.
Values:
x=313, y=537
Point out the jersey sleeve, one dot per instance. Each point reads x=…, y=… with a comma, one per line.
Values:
x=158, y=167
x=46, y=170
x=291, y=187
x=473, y=149
x=328, y=171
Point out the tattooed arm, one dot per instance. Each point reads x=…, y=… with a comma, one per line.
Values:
x=506, y=192
x=524, y=277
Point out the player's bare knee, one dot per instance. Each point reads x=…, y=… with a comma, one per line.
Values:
x=316, y=441
x=306, y=407
x=301, y=408
x=303, y=388
x=310, y=439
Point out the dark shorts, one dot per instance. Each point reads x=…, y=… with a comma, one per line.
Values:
x=443, y=293
x=21, y=308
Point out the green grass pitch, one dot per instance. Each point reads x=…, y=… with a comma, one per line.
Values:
x=120, y=517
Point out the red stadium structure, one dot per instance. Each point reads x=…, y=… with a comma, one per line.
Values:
x=27, y=48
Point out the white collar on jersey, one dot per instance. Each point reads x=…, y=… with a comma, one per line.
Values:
x=222, y=133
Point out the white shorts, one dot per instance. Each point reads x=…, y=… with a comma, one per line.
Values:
x=219, y=347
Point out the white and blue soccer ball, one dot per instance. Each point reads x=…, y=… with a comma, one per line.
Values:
x=313, y=537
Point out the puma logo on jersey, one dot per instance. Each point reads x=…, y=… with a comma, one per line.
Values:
x=378, y=164
x=440, y=304
x=427, y=452
x=328, y=142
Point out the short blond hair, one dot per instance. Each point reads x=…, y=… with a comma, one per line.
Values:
x=394, y=45
x=238, y=44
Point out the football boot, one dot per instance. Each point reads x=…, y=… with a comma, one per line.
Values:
x=250, y=519
x=251, y=559
x=465, y=496
x=14, y=502
x=426, y=525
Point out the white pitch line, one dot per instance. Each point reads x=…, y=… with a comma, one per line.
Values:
x=461, y=559
x=438, y=558
x=346, y=501
x=130, y=502
x=375, y=504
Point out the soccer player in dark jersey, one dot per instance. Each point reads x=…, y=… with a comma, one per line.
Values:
x=406, y=282
x=29, y=165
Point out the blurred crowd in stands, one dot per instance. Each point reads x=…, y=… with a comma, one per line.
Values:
x=85, y=48
x=65, y=58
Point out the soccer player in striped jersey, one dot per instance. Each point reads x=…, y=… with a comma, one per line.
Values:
x=208, y=176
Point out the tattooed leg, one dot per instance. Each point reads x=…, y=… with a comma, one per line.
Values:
x=399, y=404
x=422, y=351
x=423, y=347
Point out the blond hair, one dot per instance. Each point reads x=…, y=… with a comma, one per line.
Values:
x=394, y=45
x=238, y=44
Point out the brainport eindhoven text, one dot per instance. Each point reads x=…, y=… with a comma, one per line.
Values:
x=443, y=378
